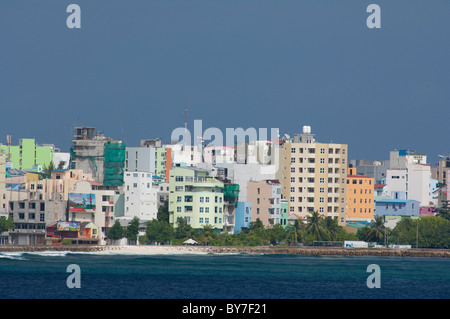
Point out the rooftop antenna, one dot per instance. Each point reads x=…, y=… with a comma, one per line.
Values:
x=185, y=126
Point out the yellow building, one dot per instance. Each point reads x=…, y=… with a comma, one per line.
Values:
x=360, y=194
x=314, y=176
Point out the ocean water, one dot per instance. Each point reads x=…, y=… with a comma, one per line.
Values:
x=220, y=276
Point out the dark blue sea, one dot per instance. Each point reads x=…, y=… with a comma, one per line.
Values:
x=214, y=276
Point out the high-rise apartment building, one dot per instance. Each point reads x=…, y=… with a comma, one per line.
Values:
x=360, y=196
x=196, y=197
x=314, y=176
x=27, y=154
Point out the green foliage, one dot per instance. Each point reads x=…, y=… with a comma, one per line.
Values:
x=116, y=232
x=444, y=210
x=163, y=214
x=184, y=230
x=6, y=224
x=426, y=232
x=47, y=170
x=132, y=230
x=159, y=231
x=319, y=229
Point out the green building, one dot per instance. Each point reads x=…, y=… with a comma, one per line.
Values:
x=27, y=154
x=162, y=165
x=196, y=197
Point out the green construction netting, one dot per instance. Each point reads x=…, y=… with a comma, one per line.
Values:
x=231, y=191
x=114, y=163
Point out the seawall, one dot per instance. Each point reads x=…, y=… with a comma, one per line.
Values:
x=442, y=253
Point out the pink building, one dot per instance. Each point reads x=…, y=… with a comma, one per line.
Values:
x=427, y=211
x=265, y=197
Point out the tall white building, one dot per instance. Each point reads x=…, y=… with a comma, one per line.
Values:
x=409, y=174
x=140, y=196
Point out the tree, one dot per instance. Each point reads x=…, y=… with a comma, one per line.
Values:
x=206, y=235
x=159, y=231
x=426, y=232
x=163, y=214
x=116, y=232
x=47, y=170
x=315, y=228
x=276, y=234
x=294, y=233
x=6, y=224
x=376, y=231
x=183, y=230
x=133, y=229
x=444, y=210
x=331, y=227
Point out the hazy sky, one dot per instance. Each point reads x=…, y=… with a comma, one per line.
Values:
x=134, y=66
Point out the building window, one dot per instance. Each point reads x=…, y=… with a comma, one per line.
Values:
x=293, y=150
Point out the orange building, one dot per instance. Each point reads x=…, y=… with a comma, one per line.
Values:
x=360, y=194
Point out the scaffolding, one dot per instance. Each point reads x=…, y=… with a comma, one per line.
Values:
x=114, y=163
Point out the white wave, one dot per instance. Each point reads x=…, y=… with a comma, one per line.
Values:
x=48, y=253
x=12, y=255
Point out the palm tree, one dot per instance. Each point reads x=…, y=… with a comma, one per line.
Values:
x=332, y=228
x=206, y=235
x=314, y=227
x=294, y=234
x=376, y=230
x=47, y=170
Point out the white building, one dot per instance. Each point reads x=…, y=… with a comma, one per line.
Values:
x=140, y=159
x=409, y=174
x=140, y=196
x=185, y=155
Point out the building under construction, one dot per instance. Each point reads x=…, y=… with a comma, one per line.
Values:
x=98, y=155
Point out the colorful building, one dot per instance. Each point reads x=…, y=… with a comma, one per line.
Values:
x=243, y=216
x=28, y=155
x=265, y=197
x=314, y=176
x=360, y=196
x=196, y=197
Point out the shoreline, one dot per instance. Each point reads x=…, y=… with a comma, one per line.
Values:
x=177, y=250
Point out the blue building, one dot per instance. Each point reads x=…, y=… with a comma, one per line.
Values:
x=242, y=216
x=397, y=207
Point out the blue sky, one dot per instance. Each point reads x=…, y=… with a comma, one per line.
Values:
x=134, y=66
